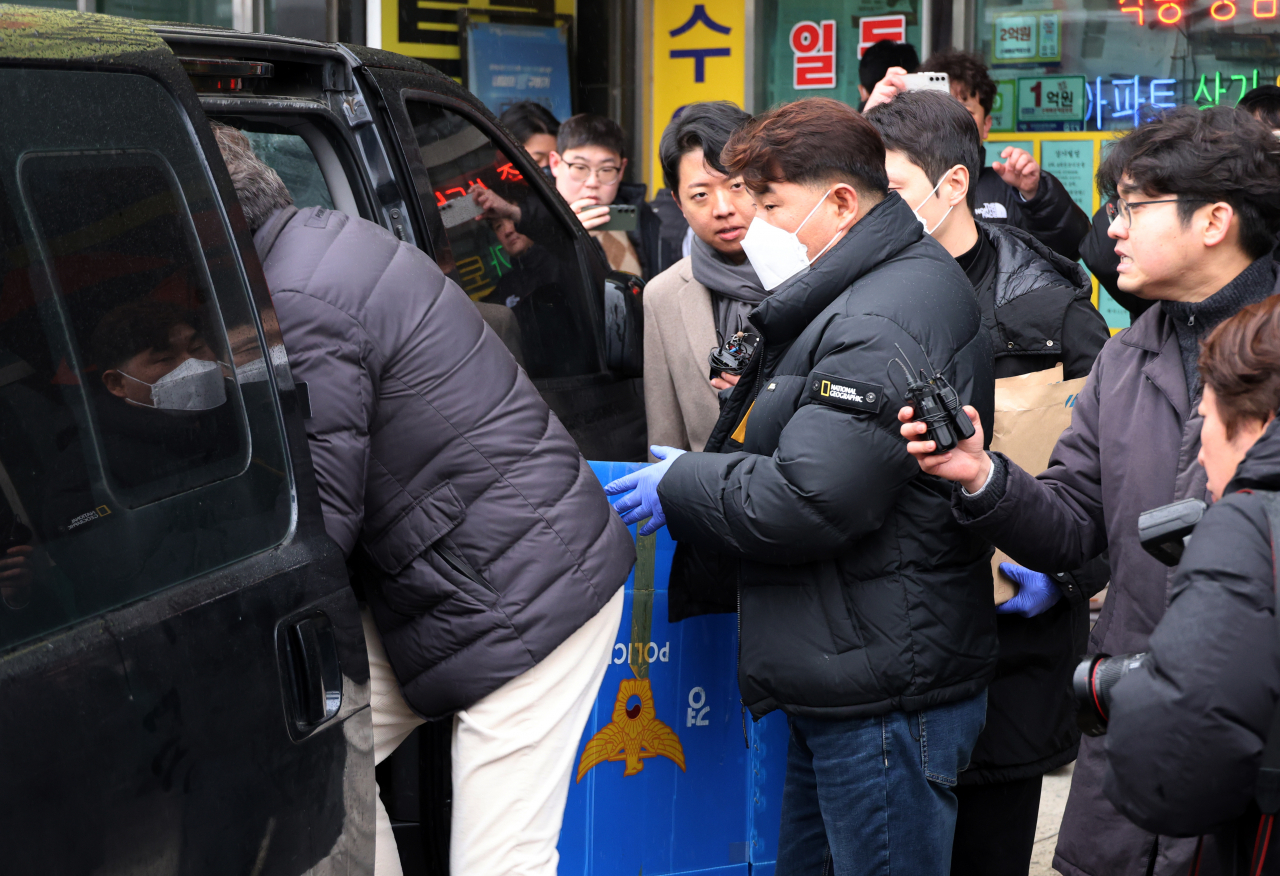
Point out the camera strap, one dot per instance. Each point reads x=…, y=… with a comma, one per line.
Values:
x=1267, y=792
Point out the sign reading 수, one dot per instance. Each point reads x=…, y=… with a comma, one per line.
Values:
x=814, y=47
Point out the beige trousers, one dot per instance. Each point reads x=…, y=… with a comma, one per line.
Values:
x=513, y=753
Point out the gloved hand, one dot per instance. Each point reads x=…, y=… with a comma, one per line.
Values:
x=1036, y=592
x=641, y=488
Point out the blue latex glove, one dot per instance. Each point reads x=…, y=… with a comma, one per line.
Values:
x=1036, y=592
x=641, y=488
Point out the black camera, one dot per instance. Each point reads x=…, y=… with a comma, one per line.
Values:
x=1164, y=533
x=732, y=356
x=934, y=401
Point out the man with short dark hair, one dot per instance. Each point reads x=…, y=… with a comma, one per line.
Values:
x=534, y=128
x=865, y=611
x=1196, y=218
x=702, y=300
x=588, y=165
x=1014, y=190
x=879, y=58
x=1036, y=306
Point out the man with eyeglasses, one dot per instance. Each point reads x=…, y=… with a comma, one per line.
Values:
x=588, y=163
x=1194, y=226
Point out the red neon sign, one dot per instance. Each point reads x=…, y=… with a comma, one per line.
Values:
x=1170, y=12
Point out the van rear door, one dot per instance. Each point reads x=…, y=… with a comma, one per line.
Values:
x=184, y=675
x=539, y=281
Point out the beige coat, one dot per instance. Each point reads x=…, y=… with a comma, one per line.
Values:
x=679, y=333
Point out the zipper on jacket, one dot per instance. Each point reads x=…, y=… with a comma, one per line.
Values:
x=755, y=393
x=461, y=566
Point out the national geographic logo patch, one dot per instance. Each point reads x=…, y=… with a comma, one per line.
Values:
x=87, y=517
x=851, y=395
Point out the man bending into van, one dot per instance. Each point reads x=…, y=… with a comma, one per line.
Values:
x=495, y=564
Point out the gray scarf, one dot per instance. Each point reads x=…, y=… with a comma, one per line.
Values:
x=735, y=289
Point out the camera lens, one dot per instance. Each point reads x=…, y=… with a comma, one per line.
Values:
x=1092, y=683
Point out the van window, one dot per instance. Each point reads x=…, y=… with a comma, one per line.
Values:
x=530, y=268
x=139, y=444
x=290, y=156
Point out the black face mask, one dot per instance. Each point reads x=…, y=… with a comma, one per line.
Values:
x=547, y=172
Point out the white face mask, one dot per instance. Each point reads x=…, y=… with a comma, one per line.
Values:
x=923, y=223
x=256, y=371
x=778, y=255
x=195, y=385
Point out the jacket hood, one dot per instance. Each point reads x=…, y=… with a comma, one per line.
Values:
x=1032, y=265
x=887, y=229
x=1260, y=468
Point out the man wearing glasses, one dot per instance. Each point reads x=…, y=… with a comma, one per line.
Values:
x=1194, y=226
x=588, y=163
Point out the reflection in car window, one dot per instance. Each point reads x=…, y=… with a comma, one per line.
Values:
x=291, y=157
x=133, y=455
x=529, y=268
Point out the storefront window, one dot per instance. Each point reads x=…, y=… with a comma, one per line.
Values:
x=1106, y=65
x=811, y=49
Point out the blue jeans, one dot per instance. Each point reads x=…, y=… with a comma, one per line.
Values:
x=874, y=795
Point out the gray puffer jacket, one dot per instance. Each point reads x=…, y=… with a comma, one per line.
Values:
x=490, y=539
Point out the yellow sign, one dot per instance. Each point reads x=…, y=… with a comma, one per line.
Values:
x=698, y=54
x=633, y=735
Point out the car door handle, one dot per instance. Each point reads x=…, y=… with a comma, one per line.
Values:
x=315, y=675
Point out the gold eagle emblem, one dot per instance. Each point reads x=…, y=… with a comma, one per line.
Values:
x=633, y=735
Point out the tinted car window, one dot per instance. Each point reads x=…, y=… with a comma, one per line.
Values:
x=140, y=441
x=291, y=157
x=533, y=270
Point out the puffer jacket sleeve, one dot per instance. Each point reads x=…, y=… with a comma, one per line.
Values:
x=1188, y=727
x=331, y=352
x=1054, y=218
x=1054, y=521
x=834, y=477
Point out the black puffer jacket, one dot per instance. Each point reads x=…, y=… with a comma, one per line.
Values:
x=859, y=593
x=1051, y=215
x=647, y=238
x=1036, y=305
x=1188, y=727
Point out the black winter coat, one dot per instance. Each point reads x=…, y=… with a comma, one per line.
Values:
x=1051, y=216
x=1036, y=305
x=647, y=238
x=860, y=595
x=1188, y=727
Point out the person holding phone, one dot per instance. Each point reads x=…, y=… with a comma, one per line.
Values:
x=588, y=164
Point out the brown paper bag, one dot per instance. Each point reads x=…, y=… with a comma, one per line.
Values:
x=1032, y=410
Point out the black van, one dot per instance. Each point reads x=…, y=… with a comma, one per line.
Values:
x=182, y=666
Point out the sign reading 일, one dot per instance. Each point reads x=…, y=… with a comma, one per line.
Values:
x=814, y=47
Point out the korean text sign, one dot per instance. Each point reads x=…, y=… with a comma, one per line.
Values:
x=698, y=54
